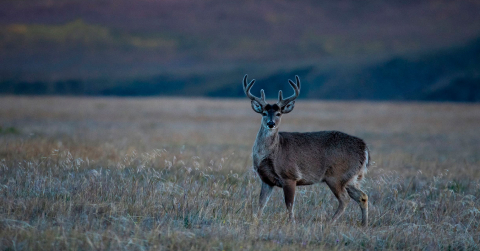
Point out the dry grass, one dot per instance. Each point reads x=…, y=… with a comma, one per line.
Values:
x=174, y=174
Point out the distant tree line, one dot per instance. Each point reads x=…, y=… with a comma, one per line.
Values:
x=445, y=75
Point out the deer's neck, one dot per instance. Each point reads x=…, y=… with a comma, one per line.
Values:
x=267, y=142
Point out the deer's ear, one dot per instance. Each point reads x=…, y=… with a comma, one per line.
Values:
x=257, y=107
x=289, y=107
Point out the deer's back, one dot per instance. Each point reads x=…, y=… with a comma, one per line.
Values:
x=310, y=157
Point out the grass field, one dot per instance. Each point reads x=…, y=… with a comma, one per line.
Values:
x=175, y=174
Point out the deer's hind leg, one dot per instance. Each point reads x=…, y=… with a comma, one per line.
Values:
x=361, y=198
x=340, y=192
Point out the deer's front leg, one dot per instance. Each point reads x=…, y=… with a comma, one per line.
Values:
x=289, y=193
x=264, y=196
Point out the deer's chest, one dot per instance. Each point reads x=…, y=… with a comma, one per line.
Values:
x=266, y=171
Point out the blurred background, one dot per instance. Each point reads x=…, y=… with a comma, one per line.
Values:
x=344, y=50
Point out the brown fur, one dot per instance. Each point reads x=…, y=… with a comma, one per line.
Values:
x=290, y=159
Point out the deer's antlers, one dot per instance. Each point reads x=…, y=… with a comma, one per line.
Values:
x=246, y=89
x=296, y=88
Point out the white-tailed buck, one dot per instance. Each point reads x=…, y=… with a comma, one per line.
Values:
x=290, y=159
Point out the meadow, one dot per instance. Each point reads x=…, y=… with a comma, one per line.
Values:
x=176, y=174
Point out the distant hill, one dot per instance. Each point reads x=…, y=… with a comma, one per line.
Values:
x=375, y=50
x=441, y=75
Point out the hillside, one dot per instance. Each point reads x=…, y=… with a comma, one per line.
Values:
x=342, y=49
x=443, y=75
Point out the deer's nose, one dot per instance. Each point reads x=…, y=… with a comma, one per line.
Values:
x=270, y=124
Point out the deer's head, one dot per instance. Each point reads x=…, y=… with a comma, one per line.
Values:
x=272, y=113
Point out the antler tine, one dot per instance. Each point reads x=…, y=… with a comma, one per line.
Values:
x=262, y=92
x=297, y=79
x=296, y=88
x=245, y=81
x=246, y=89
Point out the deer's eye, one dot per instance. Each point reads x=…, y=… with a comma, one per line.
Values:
x=278, y=114
x=264, y=114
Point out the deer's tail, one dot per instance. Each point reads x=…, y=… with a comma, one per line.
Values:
x=365, y=165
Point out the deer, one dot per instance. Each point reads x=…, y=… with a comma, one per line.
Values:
x=291, y=159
